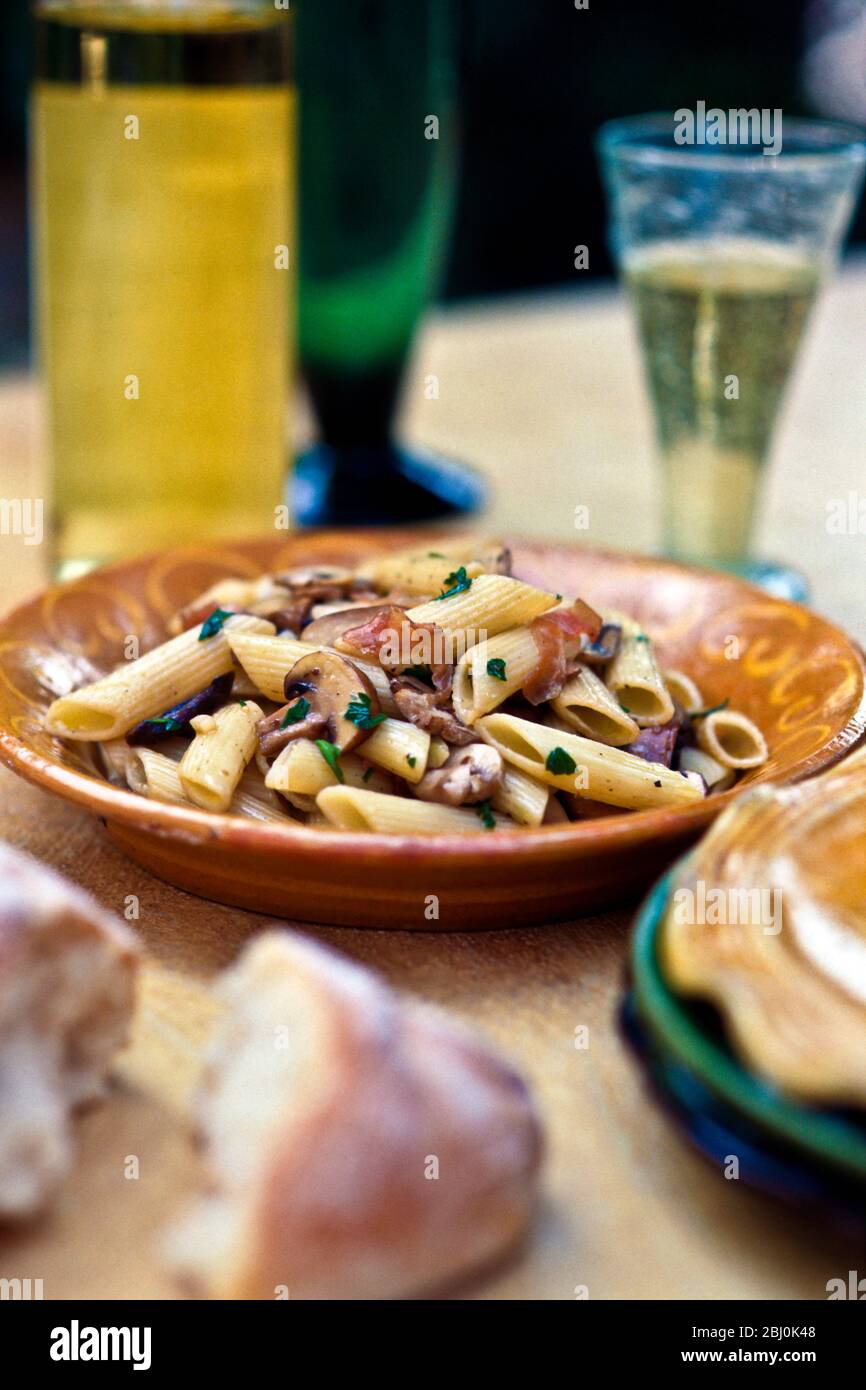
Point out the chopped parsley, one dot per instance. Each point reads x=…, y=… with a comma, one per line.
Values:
x=559, y=762
x=367, y=775
x=358, y=712
x=331, y=753
x=458, y=582
x=657, y=783
x=243, y=704
x=713, y=709
x=168, y=722
x=411, y=759
x=435, y=555
x=295, y=713
x=641, y=637
x=496, y=668
x=212, y=625
x=485, y=815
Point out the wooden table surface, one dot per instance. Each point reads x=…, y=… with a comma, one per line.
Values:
x=544, y=395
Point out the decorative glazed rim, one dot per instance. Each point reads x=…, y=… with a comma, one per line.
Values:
x=824, y=1136
x=547, y=844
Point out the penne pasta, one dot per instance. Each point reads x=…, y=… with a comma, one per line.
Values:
x=439, y=753
x=300, y=772
x=267, y=661
x=683, y=691
x=214, y=763
x=142, y=689
x=154, y=775
x=715, y=774
x=571, y=763
x=732, y=739
x=491, y=671
x=399, y=747
x=425, y=570
x=587, y=705
x=350, y=808
x=490, y=604
x=635, y=679
x=523, y=798
x=344, y=749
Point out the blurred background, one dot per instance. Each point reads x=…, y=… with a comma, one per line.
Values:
x=535, y=82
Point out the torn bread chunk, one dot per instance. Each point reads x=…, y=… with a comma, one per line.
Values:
x=358, y=1146
x=67, y=971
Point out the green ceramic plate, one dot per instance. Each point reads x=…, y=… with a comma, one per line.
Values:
x=684, y=1030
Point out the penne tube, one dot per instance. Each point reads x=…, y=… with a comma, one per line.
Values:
x=268, y=660
x=154, y=775
x=299, y=770
x=424, y=571
x=717, y=777
x=439, y=753
x=571, y=763
x=227, y=593
x=586, y=705
x=523, y=798
x=349, y=808
x=141, y=689
x=635, y=679
x=732, y=739
x=399, y=747
x=476, y=691
x=115, y=755
x=214, y=763
x=683, y=690
x=491, y=604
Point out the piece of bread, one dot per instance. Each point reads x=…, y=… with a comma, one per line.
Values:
x=359, y=1146
x=67, y=972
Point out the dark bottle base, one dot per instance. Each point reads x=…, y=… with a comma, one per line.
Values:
x=380, y=486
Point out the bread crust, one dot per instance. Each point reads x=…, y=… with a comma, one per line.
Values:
x=403, y=1161
x=67, y=973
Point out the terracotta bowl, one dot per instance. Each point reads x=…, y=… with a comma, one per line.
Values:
x=797, y=676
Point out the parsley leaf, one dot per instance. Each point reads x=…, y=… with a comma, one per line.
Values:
x=496, y=668
x=212, y=625
x=358, y=712
x=295, y=713
x=713, y=709
x=331, y=753
x=459, y=581
x=485, y=815
x=367, y=775
x=435, y=555
x=411, y=759
x=559, y=762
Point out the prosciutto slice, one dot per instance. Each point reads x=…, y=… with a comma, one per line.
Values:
x=558, y=637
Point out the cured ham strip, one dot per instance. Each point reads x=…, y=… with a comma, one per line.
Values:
x=395, y=641
x=558, y=637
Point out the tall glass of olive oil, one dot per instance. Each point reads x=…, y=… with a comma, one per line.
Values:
x=163, y=178
x=723, y=249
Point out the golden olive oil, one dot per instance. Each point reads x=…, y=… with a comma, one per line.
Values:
x=163, y=188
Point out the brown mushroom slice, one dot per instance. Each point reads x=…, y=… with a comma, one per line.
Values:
x=332, y=625
x=468, y=776
x=275, y=731
x=338, y=691
x=307, y=578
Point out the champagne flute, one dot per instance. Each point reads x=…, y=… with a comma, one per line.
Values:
x=723, y=249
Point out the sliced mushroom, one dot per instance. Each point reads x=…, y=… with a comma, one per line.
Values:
x=468, y=776
x=312, y=578
x=336, y=690
x=605, y=646
x=429, y=709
